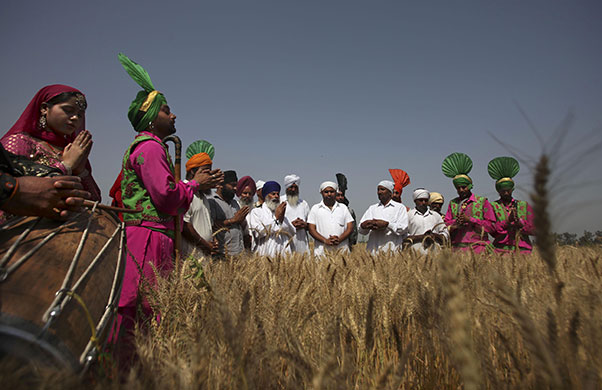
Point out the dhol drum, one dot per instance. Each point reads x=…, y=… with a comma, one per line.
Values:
x=59, y=287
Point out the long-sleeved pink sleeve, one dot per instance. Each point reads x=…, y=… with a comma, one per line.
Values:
x=149, y=161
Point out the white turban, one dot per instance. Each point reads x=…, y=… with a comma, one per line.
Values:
x=259, y=184
x=388, y=184
x=291, y=179
x=421, y=193
x=327, y=184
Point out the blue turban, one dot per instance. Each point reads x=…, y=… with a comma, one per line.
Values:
x=270, y=187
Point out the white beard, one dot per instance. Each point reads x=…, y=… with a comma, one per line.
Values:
x=292, y=199
x=272, y=204
x=248, y=203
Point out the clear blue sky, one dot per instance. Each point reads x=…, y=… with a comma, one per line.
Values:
x=320, y=87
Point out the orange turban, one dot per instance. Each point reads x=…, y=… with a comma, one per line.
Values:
x=401, y=179
x=198, y=160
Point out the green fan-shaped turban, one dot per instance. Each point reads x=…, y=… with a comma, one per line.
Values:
x=457, y=166
x=502, y=170
x=200, y=146
x=145, y=107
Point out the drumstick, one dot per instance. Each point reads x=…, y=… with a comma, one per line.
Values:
x=90, y=204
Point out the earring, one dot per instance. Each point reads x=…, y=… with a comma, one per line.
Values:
x=42, y=122
x=151, y=126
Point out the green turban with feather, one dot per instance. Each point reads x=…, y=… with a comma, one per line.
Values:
x=145, y=107
x=502, y=170
x=458, y=166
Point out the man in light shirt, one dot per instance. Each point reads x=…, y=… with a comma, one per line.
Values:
x=296, y=212
x=330, y=222
x=386, y=222
x=197, y=230
x=426, y=229
x=272, y=231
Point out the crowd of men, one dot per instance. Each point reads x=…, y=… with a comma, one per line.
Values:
x=225, y=222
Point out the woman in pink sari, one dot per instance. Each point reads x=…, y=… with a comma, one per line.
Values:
x=51, y=132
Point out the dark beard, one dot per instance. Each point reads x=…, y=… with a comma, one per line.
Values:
x=227, y=194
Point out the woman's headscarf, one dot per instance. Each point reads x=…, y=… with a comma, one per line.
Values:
x=29, y=120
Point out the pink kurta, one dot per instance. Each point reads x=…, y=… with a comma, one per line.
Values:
x=473, y=235
x=148, y=246
x=506, y=232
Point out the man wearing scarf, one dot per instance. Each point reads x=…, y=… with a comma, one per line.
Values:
x=386, y=222
x=297, y=211
x=272, y=231
x=469, y=217
x=149, y=188
x=514, y=218
x=229, y=219
x=426, y=228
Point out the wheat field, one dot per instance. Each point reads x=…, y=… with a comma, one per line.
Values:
x=357, y=321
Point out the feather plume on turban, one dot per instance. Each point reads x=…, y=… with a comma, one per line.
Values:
x=244, y=182
x=145, y=107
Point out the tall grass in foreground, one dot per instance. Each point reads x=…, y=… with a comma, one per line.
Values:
x=387, y=322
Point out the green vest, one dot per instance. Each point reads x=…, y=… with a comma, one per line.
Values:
x=502, y=215
x=477, y=207
x=134, y=195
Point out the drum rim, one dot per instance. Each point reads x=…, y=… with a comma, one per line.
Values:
x=56, y=352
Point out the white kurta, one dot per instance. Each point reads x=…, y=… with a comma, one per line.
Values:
x=300, y=210
x=329, y=222
x=271, y=237
x=391, y=238
x=199, y=216
x=419, y=223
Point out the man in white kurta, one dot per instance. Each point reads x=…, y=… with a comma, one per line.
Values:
x=297, y=211
x=386, y=222
x=271, y=230
x=329, y=222
x=426, y=228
